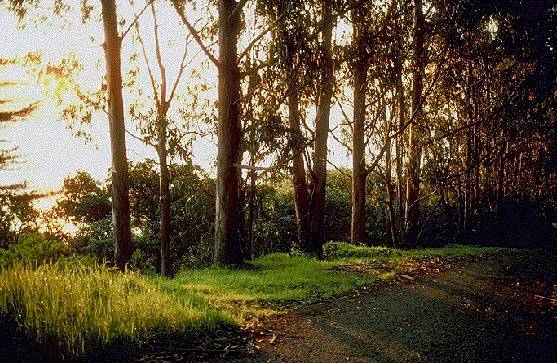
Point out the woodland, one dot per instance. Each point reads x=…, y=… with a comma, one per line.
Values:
x=445, y=111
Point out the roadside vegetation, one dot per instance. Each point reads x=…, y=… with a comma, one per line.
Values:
x=83, y=306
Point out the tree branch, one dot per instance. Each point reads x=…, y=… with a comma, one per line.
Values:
x=136, y=18
x=180, y=10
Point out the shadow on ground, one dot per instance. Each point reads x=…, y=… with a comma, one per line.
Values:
x=496, y=309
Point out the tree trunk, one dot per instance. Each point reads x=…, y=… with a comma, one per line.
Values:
x=359, y=172
x=501, y=177
x=252, y=195
x=317, y=203
x=468, y=184
x=227, y=240
x=391, y=215
x=301, y=195
x=399, y=150
x=119, y=171
x=164, y=193
x=415, y=139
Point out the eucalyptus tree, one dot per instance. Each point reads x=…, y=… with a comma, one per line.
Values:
x=412, y=211
x=112, y=47
x=303, y=48
x=119, y=172
x=155, y=125
x=230, y=134
x=359, y=172
x=294, y=47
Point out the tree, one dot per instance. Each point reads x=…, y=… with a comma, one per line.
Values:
x=119, y=172
x=82, y=200
x=227, y=241
x=412, y=210
x=17, y=213
x=164, y=93
x=359, y=172
x=320, y=149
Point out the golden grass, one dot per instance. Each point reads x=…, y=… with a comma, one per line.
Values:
x=79, y=305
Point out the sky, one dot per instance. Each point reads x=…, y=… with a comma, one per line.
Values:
x=47, y=148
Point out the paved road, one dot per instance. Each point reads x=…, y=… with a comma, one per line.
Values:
x=495, y=309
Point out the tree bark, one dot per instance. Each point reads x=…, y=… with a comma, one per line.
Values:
x=164, y=193
x=468, y=183
x=399, y=150
x=227, y=239
x=119, y=171
x=319, y=176
x=359, y=172
x=391, y=215
x=500, y=192
x=163, y=104
x=415, y=138
x=301, y=195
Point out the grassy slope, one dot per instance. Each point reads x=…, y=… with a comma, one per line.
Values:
x=76, y=305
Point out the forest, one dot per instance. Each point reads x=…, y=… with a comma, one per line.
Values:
x=247, y=180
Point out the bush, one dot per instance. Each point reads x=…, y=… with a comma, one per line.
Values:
x=33, y=249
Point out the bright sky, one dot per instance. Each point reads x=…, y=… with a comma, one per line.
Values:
x=49, y=151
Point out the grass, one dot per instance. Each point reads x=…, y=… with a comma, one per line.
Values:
x=277, y=277
x=82, y=305
x=347, y=251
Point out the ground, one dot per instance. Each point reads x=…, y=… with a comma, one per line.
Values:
x=495, y=308
x=477, y=311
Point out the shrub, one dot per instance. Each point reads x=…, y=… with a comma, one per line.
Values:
x=33, y=249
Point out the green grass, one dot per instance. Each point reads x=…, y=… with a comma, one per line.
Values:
x=342, y=250
x=83, y=305
x=277, y=277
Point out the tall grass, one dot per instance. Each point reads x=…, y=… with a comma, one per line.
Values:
x=82, y=306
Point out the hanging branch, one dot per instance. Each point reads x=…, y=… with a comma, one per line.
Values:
x=146, y=58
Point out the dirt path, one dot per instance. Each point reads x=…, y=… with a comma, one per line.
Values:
x=496, y=309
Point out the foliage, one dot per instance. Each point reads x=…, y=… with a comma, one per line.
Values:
x=32, y=250
x=96, y=239
x=83, y=200
x=17, y=213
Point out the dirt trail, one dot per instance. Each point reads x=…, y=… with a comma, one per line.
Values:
x=494, y=309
